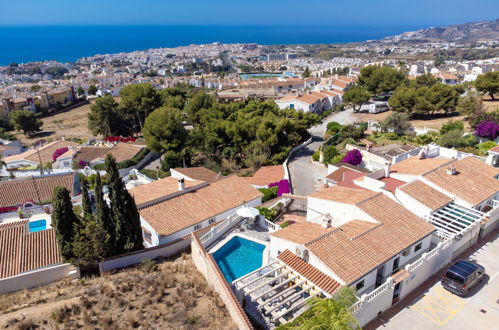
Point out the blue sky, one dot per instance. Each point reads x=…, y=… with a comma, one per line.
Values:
x=249, y=12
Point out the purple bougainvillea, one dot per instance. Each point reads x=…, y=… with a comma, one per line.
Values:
x=82, y=163
x=58, y=153
x=487, y=129
x=282, y=187
x=353, y=157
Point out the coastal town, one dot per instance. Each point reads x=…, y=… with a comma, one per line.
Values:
x=247, y=186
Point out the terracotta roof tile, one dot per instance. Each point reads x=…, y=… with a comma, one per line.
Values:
x=308, y=271
x=48, y=150
x=266, y=175
x=416, y=166
x=301, y=232
x=199, y=173
x=158, y=189
x=473, y=182
x=21, y=251
x=343, y=194
x=19, y=191
x=188, y=209
x=426, y=195
x=351, y=252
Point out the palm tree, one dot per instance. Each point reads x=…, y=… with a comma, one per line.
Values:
x=327, y=313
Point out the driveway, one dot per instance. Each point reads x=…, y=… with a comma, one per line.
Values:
x=307, y=177
x=437, y=308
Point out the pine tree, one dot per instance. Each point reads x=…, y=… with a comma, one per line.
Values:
x=124, y=212
x=64, y=221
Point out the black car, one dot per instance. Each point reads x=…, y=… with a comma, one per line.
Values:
x=462, y=276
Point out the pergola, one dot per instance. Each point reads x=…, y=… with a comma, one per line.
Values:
x=454, y=219
x=278, y=290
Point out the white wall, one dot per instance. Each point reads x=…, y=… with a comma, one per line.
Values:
x=412, y=204
x=341, y=212
x=37, y=277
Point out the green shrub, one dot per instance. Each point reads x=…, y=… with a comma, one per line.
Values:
x=333, y=127
x=391, y=136
x=153, y=174
x=99, y=167
x=329, y=153
x=316, y=156
x=269, y=214
x=285, y=224
x=268, y=193
x=452, y=139
x=148, y=266
x=134, y=160
x=486, y=145
x=337, y=159
x=452, y=125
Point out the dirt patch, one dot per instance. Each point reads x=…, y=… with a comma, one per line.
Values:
x=71, y=124
x=176, y=296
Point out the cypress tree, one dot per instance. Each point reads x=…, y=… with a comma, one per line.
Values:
x=85, y=200
x=103, y=219
x=64, y=221
x=124, y=212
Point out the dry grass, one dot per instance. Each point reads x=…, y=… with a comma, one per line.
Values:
x=174, y=297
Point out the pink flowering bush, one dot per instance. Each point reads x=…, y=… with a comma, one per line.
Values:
x=282, y=187
x=487, y=129
x=353, y=157
x=120, y=139
x=82, y=163
x=59, y=152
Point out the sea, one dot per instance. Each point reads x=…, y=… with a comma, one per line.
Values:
x=21, y=44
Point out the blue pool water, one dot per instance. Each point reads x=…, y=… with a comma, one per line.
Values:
x=37, y=225
x=239, y=257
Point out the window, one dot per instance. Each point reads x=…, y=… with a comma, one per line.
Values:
x=406, y=252
x=197, y=227
x=418, y=247
x=147, y=235
x=359, y=285
x=211, y=221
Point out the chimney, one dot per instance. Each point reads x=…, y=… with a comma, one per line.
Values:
x=387, y=170
x=451, y=170
x=181, y=184
x=326, y=221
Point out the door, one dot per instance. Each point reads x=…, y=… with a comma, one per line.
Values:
x=379, y=276
x=396, y=264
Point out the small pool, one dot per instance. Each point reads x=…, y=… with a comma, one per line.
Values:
x=239, y=257
x=37, y=225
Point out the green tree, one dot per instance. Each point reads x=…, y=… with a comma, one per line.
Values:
x=355, y=97
x=92, y=89
x=80, y=91
x=470, y=104
x=198, y=102
x=488, y=83
x=438, y=61
x=104, y=118
x=329, y=153
x=377, y=79
x=35, y=88
x=327, y=313
x=56, y=72
x=403, y=99
x=123, y=211
x=138, y=101
x=452, y=139
x=64, y=221
x=103, y=218
x=164, y=133
x=397, y=123
x=306, y=72
x=86, y=205
x=426, y=79
x=26, y=121
x=2, y=163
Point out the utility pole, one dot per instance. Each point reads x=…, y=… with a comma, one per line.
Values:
x=40, y=158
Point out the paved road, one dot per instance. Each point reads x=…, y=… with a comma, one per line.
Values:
x=439, y=309
x=306, y=177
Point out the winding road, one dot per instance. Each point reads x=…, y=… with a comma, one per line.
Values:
x=307, y=177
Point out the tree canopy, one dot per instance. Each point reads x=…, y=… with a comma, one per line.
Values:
x=488, y=83
x=137, y=102
x=355, y=97
x=103, y=117
x=378, y=79
x=25, y=121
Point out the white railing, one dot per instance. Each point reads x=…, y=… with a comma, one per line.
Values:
x=371, y=296
x=221, y=228
x=493, y=203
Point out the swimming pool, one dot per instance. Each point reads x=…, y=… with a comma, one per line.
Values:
x=238, y=257
x=37, y=225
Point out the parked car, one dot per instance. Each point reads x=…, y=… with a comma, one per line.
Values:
x=462, y=276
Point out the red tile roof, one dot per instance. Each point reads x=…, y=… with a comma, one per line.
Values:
x=199, y=173
x=391, y=184
x=266, y=175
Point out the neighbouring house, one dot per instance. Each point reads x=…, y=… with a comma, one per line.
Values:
x=93, y=155
x=57, y=96
x=195, y=174
x=493, y=157
x=376, y=158
x=14, y=193
x=172, y=208
x=305, y=103
x=357, y=237
x=266, y=175
x=447, y=78
x=9, y=148
x=33, y=157
x=29, y=259
x=343, y=173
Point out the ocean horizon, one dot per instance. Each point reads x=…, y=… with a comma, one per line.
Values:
x=23, y=44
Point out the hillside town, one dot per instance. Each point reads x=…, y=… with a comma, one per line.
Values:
x=276, y=179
